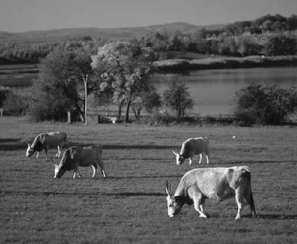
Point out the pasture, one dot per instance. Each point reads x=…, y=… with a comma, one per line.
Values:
x=130, y=205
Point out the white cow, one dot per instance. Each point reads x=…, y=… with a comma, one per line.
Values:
x=76, y=156
x=44, y=141
x=191, y=147
x=215, y=183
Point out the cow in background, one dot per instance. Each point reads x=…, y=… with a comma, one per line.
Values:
x=44, y=141
x=191, y=147
x=78, y=156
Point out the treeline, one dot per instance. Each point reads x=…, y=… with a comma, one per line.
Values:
x=270, y=35
x=32, y=53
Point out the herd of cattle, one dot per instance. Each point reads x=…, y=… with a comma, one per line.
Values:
x=218, y=183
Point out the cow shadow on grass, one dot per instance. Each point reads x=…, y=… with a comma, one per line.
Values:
x=141, y=177
x=277, y=216
x=3, y=140
x=82, y=194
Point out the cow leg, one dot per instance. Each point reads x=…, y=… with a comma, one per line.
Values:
x=45, y=151
x=198, y=200
x=200, y=158
x=58, y=154
x=76, y=172
x=190, y=161
x=239, y=202
x=37, y=154
x=207, y=159
x=202, y=205
x=250, y=201
x=101, y=165
x=94, y=169
x=199, y=207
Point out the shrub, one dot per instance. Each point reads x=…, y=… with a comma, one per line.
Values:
x=152, y=101
x=161, y=118
x=4, y=92
x=265, y=104
x=178, y=99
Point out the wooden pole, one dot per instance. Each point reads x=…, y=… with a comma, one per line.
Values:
x=68, y=117
x=85, y=79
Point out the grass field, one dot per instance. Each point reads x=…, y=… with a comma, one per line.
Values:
x=130, y=205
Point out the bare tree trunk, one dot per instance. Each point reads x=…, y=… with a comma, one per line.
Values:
x=120, y=111
x=127, y=111
x=85, y=79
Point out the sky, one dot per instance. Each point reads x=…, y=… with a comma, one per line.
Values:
x=24, y=15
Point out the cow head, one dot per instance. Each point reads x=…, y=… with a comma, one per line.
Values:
x=61, y=167
x=178, y=157
x=173, y=206
x=30, y=150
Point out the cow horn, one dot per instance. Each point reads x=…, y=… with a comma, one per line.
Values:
x=174, y=153
x=167, y=188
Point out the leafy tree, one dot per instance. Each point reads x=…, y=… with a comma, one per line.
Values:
x=247, y=45
x=178, y=99
x=265, y=104
x=281, y=45
x=4, y=93
x=152, y=101
x=123, y=67
x=15, y=104
x=57, y=89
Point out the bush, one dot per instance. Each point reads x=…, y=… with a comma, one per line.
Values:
x=265, y=104
x=4, y=92
x=16, y=104
x=152, y=101
x=178, y=99
x=161, y=118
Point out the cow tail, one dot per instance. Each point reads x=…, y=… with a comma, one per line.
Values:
x=247, y=175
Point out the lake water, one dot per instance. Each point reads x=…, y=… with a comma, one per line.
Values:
x=214, y=91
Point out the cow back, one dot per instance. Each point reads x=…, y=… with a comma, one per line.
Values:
x=54, y=138
x=86, y=156
x=194, y=146
x=211, y=182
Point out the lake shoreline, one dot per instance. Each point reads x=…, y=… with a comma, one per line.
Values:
x=185, y=65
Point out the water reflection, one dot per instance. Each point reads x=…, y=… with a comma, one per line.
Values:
x=214, y=91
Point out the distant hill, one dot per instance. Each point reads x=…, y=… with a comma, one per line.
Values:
x=103, y=33
x=270, y=35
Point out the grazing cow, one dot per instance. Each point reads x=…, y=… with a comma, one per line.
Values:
x=76, y=156
x=215, y=183
x=44, y=141
x=191, y=147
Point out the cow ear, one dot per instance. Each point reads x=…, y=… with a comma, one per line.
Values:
x=167, y=188
x=175, y=153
